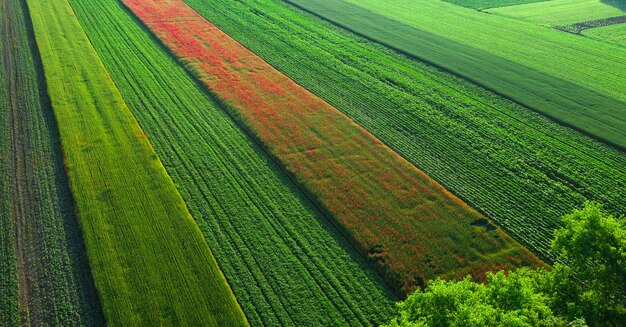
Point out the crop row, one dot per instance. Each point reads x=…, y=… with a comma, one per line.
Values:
x=410, y=227
x=592, y=65
x=512, y=164
x=47, y=267
x=149, y=261
x=598, y=110
x=286, y=264
x=8, y=278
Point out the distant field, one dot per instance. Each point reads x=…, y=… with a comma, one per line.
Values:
x=568, y=78
x=615, y=34
x=150, y=263
x=287, y=264
x=508, y=161
x=410, y=227
x=564, y=12
x=486, y=4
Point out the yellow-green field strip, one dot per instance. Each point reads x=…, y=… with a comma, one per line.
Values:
x=150, y=263
x=560, y=12
x=615, y=34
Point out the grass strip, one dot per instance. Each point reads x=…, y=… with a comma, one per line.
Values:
x=615, y=34
x=563, y=12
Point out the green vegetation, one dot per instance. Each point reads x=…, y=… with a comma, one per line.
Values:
x=96, y=114
x=150, y=264
x=286, y=263
x=409, y=226
x=563, y=12
x=505, y=160
x=9, y=306
x=615, y=34
x=565, y=77
x=486, y=4
x=515, y=299
x=49, y=271
x=589, y=290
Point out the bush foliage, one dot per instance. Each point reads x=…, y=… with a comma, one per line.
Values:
x=590, y=289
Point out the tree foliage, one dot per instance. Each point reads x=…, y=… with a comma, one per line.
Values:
x=590, y=289
x=593, y=284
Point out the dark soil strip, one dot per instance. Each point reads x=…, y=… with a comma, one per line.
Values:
x=579, y=27
x=54, y=280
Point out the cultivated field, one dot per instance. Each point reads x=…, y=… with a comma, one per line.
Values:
x=568, y=78
x=8, y=277
x=45, y=275
x=149, y=260
x=286, y=263
x=485, y=4
x=395, y=206
x=563, y=12
x=312, y=162
x=476, y=144
x=615, y=34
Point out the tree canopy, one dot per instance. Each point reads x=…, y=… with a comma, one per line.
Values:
x=586, y=287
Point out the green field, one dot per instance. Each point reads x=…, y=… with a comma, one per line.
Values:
x=563, y=12
x=45, y=275
x=565, y=77
x=615, y=34
x=507, y=161
x=150, y=263
x=9, y=305
x=486, y=4
x=312, y=162
x=286, y=263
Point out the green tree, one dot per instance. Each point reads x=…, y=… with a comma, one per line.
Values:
x=505, y=300
x=593, y=284
x=591, y=288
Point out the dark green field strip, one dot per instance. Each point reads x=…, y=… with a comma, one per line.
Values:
x=55, y=285
x=150, y=264
x=485, y=4
x=518, y=167
x=579, y=27
x=286, y=263
x=582, y=108
x=8, y=277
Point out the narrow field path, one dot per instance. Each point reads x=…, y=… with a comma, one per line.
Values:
x=9, y=306
x=409, y=226
x=55, y=285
